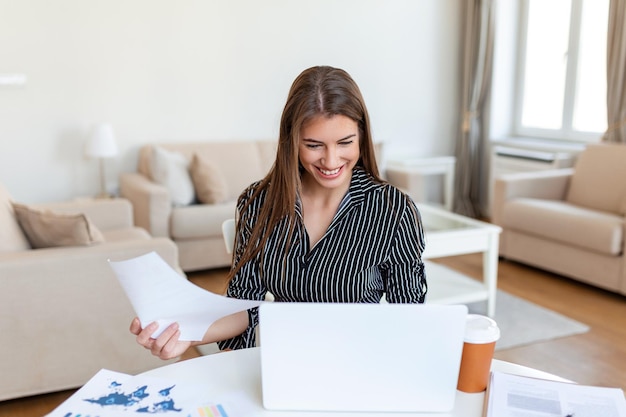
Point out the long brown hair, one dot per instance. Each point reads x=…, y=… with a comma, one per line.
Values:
x=317, y=91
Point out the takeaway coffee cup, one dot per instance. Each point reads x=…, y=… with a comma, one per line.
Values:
x=481, y=334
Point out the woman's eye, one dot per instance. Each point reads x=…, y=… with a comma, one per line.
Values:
x=312, y=146
x=346, y=142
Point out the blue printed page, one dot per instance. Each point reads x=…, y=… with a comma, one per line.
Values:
x=110, y=393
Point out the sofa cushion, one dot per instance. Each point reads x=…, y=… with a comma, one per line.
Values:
x=44, y=228
x=171, y=169
x=126, y=234
x=208, y=181
x=12, y=238
x=572, y=225
x=240, y=162
x=200, y=220
x=267, y=154
x=599, y=180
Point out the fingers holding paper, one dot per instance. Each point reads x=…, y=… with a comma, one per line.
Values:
x=166, y=346
x=158, y=293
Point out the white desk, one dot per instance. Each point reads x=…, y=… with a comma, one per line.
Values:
x=238, y=373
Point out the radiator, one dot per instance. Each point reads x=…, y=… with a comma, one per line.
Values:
x=505, y=160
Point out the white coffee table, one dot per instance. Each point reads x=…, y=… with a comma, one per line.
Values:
x=235, y=378
x=450, y=234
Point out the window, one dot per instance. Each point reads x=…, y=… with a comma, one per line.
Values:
x=562, y=72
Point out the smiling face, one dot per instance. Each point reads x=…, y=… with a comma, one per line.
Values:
x=328, y=151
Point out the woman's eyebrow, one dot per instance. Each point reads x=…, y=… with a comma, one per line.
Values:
x=338, y=140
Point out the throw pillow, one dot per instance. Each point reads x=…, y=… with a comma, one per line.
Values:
x=44, y=228
x=208, y=181
x=12, y=238
x=171, y=169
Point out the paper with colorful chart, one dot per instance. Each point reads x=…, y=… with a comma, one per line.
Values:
x=110, y=393
x=158, y=293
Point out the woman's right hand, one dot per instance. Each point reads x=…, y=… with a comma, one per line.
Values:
x=166, y=346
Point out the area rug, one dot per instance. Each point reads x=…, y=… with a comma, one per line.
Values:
x=523, y=323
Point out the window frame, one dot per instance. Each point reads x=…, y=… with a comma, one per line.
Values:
x=566, y=132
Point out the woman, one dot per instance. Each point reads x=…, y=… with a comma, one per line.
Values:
x=322, y=226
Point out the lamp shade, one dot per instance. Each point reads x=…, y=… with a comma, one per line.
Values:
x=101, y=143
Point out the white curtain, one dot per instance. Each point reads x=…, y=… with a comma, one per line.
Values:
x=477, y=74
x=616, y=73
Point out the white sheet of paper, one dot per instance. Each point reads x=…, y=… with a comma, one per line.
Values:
x=158, y=293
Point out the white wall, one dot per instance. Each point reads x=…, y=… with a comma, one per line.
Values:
x=184, y=70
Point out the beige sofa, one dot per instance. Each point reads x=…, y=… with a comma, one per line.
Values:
x=163, y=204
x=568, y=221
x=63, y=315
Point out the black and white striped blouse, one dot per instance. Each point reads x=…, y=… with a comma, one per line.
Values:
x=372, y=246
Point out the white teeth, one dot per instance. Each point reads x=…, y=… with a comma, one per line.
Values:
x=333, y=172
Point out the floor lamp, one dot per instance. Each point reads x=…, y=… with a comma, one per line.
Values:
x=102, y=145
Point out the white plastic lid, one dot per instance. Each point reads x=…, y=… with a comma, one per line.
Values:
x=481, y=329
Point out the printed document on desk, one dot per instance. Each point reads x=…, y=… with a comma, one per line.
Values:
x=114, y=394
x=158, y=293
x=519, y=396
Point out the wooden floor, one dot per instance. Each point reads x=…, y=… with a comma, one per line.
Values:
x=595, y=358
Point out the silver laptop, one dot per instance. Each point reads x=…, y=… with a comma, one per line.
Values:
x=360, y=357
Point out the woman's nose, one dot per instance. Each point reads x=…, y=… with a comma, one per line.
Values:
x=331, y=156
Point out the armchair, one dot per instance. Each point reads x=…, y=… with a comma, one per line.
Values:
x=194, y=225
x=63, y=315
x=568, y=221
